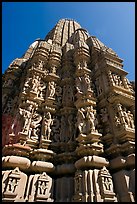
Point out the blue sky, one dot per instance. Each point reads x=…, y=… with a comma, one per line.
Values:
x=113, y=23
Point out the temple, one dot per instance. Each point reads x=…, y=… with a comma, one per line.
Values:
x=68, y=132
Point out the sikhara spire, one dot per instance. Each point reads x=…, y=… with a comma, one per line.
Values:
x=68, y=132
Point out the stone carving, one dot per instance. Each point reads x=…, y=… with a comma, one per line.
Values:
x=117, y=120
x=92, y=121
x=82, y=64
x=27, y=85
x=58, y=95
x=124, y=117
x=40, y=188
x=63, y=129
x=106, y=180
x=72, y=130
x=35, y=83
x=56, y=130
x=51, y=89
x=104, y=115
x=98, y=87
x=14, y=185
x=81, y=124
x=46, y=125
x=86, y=120
x=131, y=119
x=79, y=84
x=41, y=89
x=83, y=84
x=34, y=126
x=27, y=114
x=40, y=64
x=106, y=185
x=68, y=96
x=53, y=69
x=110, y=77
x=78, y=185
x=87, y=83
x=42, y=185
x=117, y=80
x=59, y=78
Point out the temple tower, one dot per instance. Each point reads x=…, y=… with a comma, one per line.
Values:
x=68, y=129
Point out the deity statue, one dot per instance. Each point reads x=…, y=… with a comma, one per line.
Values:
x=41, y=89
x=51, y=89
x=81, y=120
x=90, y=115
x=35, y=83
x=35, y=123
x=46, y=125
x=27, y=114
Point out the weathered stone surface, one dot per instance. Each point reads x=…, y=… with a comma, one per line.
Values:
x=16, y=161
x=72, y=117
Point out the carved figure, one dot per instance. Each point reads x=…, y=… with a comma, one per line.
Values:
x=87, y=83
x=126, y=118
x=12, y=184
x=78, y=84
x=41, y=88
x=68, y=96
x=47, y=122
x=42, y=187
x=27, y=85
x=91, y=118
x=104, y=115
x=131, y=119
x=35, y=123
x=53, y=69
x=51, y=89
x=111, y=78
x=27, y=118
x=81, y=120
x=98, y=87
x=35, y=83
x=105, y=181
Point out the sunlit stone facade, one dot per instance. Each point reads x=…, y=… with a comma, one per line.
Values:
x=68, y=129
